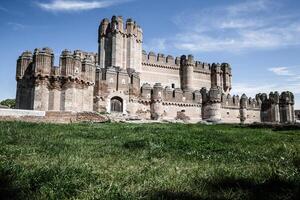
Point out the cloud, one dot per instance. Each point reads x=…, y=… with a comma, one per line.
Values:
x=157, y=44
x=16, y=26
x=281, y=71
x=252, y=89
x=3, y=9
x=250, y=25
x=248, y=7
x=75, y=5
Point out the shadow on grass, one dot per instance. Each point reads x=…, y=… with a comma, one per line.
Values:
x=234, y=188
x=171, y=195
x=274, y=127
x=136, y=144
x=7, y=189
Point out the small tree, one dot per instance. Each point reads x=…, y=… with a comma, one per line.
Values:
x=11, y=103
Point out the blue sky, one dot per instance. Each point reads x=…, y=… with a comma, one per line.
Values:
x=259, y=38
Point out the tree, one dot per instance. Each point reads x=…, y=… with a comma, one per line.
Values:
x=11, y=103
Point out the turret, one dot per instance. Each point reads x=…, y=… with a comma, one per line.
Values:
x=23, y=63
x=156, y=104
x=102, y=45
x=212, y=106
x=146, y=91
x=243, y=108
x=88, y=70
x=286, y=101
x=274, y=100
x=130, y=26
x=104, y=25
x=226, y=70
x=187, y=69
x=43, y=60
x=66, y=60
x=77, y=65
x=216, y=75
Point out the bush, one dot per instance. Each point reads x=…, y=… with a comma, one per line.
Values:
x=11, y=103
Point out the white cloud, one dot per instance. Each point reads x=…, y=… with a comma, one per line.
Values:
x=281, y=71
x=252, y=89
x=157, y=44
x=75, y=5
x=248, y=7
x=258, y=24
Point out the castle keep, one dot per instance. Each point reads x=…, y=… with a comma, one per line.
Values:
x=121, y=78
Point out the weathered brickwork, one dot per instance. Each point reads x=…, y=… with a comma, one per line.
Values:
x=123, y=78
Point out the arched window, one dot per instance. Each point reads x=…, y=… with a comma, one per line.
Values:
x=116, y=104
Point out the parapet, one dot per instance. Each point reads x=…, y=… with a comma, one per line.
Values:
x=169, y=95
x=78, y=64
x=171, y=62
x=116, y=25
x=160, y=60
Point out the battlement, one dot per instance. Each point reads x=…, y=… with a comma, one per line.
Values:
x=169, y=61
x=116, y=25
x=78, y=65
x=167, y=94
x=285, y=98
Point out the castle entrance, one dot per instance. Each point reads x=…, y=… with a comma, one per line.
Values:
x=116, y=104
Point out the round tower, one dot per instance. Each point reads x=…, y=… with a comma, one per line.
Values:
x=286, y=107
x=243, y=108
x=156, y=104
x=23, y=63
x=212, y=107
x=187, y=69
x=43, y=60
x=65, y=63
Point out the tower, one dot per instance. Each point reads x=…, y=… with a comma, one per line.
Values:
x=120, y=46
x=43, y=60
x=286, y=106
x=24, y=87
x=156, y=104
x=187, y=69
x=243, y=108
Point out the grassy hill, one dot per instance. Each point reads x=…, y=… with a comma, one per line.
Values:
x=147, y=161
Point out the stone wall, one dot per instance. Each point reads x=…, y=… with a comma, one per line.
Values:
x=43, y=86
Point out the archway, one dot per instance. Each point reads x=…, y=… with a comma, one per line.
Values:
x=116, y=104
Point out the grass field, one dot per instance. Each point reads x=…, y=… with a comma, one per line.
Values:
x=147, y=161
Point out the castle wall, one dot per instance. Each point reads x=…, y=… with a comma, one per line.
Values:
x=253, y=115
x=167, y=71
x=166, y=76
x=230, y=114
x=191, y=113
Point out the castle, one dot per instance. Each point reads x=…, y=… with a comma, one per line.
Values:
x=122, y=78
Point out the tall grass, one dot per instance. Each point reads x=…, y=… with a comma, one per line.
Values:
x=147, y=161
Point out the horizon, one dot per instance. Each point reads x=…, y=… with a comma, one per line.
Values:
x=259, y=39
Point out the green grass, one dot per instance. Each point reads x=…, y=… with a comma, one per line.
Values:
x=147, y=161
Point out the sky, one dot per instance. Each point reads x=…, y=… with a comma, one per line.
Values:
x=259, y=38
